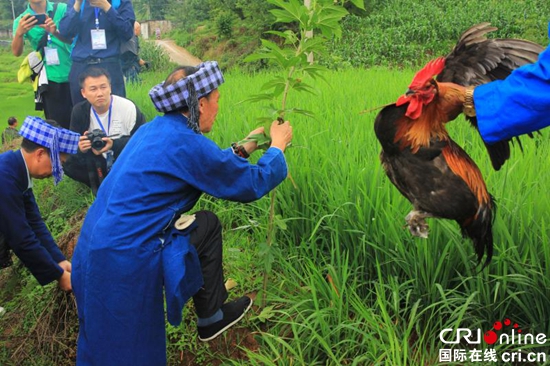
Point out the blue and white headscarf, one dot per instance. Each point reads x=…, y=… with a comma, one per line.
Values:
x=57, y=140
x=187, y=91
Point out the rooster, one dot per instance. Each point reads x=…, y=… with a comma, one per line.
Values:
x=435, y=174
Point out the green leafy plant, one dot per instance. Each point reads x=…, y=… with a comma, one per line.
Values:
x=294, y=57
x=224, y=25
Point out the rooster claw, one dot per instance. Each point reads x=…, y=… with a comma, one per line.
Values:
x=416, y=222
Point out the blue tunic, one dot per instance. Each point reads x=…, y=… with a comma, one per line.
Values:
x=516, y=105
x=21, y=222
x=125, y=255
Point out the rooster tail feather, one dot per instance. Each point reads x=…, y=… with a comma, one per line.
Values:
x=479, y=230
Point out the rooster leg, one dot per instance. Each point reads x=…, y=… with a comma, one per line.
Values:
x=417, y=223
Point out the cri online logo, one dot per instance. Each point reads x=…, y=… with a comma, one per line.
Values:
x=491, y=337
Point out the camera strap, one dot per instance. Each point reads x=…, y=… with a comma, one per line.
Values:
x=108, y=120
x=95, y=172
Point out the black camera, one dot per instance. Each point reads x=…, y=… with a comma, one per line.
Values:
x=95, y=138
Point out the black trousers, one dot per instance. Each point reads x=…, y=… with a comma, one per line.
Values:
x=57, y=103
x=86, y=168
x=207, y=240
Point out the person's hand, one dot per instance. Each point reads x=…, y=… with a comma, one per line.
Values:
x=49, y=26
x=65, y=281
x=251, y=146
x=102, y=4
x=77, y=5
x=281, y=134
x=25, y=24
x=84, y=144
x=108, y=146
x=66, y=265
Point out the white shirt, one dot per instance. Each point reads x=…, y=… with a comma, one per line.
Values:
x=123, y=118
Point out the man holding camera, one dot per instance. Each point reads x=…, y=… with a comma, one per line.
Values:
x=106, y=123
x=99, y=27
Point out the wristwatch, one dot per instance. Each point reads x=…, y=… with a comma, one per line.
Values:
x=468, y=107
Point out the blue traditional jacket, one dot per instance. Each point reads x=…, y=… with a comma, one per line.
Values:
x=128, y=258
x=516, y=105
x=21, y=222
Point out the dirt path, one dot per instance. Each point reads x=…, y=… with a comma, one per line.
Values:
x=178, y=54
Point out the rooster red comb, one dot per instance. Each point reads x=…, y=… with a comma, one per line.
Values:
x=432, y=68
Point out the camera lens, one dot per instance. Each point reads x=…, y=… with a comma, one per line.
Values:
x=96, y=137
x=98, y=143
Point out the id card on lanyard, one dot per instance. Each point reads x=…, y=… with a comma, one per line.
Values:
x=52, y=57
x=108, y=155
x=99, y=40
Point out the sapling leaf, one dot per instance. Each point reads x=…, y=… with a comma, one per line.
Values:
x=359, y=3
x=267, y=253
x=280, y=222
x=289, y=36
x=258, y=98
x=262, y=140
x=290, y=11
x=304, y=112
x=266, y=314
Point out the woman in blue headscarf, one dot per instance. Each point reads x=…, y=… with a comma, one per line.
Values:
x=137, y=251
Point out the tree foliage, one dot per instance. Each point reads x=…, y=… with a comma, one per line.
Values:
x=151, y=9
x=6, y=13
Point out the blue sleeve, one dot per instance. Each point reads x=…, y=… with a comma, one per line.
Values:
x=34, y=218
x=18, y=222
x=69, y=24
x=117, y=23
x=123, y=20
x=516, y=105
x=222, y=174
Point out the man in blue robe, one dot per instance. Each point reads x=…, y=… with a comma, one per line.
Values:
x=22, y=228
x=136, y=249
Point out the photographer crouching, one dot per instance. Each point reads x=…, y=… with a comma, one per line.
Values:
x=106, y=123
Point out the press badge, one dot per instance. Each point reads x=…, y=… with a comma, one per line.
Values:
x=52, y=57
x=99, y=42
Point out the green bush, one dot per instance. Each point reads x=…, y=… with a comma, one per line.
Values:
x=155, y=55
x=224, y=25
